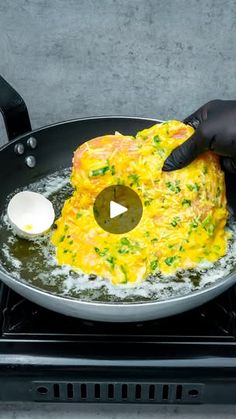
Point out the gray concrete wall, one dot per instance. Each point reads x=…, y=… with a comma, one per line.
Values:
x=155, y=58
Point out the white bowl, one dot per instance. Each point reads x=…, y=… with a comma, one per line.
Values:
x=30, y=214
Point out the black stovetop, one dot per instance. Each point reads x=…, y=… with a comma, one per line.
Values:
x=45, y=356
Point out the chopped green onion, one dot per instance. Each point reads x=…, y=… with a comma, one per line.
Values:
x=194, y=224
x=154, y=264
x=156, y=139
x=125, y=241
x=174, y=186
x=186, y=203
x=207, y=220
x=208, y=225
x=127, y=246
x=111, y=260
x=123, y=250
x=175, y=221
x=148, y=202
x=112, y=169
x=123, y=270
x=170, y=260
x=101, y=252
x=135, y=180
x=193, y=187
x=100, y=172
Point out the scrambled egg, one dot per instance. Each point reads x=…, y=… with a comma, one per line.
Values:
x=184, y=212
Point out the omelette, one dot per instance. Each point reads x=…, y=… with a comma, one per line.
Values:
x=184, y=211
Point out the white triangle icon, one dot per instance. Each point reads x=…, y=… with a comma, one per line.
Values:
x=116, y=209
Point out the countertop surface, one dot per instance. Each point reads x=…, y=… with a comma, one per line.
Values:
x=64, y=411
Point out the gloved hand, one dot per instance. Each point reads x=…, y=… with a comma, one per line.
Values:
x=215, y=124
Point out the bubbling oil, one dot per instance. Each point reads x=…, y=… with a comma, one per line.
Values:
x=34, y=262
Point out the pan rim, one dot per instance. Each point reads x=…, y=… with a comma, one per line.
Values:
x=74, y=120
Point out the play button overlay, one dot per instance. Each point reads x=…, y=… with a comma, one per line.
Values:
x=117, y=209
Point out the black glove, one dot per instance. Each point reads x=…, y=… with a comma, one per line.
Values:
x=215, y=124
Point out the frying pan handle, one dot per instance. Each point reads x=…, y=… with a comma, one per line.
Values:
x=14, y=111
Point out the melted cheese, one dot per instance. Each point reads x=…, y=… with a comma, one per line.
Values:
x=184, y=212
